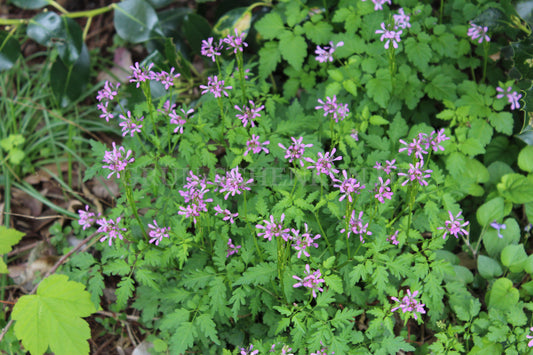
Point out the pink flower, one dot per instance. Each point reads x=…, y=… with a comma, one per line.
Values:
x=157, y=234
x=108, y=92
x=389, y=35
x=129, y=125
x=232, y=183
x=530, y=344
x=209, y=50
x=512, y=97
x=116, y=161
x=331, y=107
x=415, y=173
x=303, y=241
x=249, y=113
x=476, y=31
x=167, y=79
x=140, y=75
x=494, y=225
x=111, y=229
x=409, y=304
x=236, y=42
x=274, y=229
x=326, y=54
x=215, y=86
x=312, y=280
x=86, y=218
x=393, y=239
x=180, y=120
x=348, y=187
x=454, y=226
x=415, y=146
x=255, y=146
x=295, y=150
x=324, y=163
x=357, y=226
x=227, y=214
x=401, y=20
x=232, y=249
x=383, y=191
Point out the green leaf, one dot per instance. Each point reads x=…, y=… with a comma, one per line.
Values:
x=182, y=338
x=260, y=274
x=516, y=188
x=8, y=238
x=239, y=19
x=503, y=295
x=204, y=323
x=116, y=267
x=502, y=122
x=380, y=88
x=320, y=32
x=525, y=159
x=335, y=283
x=494, y=244
x=52, y=317
x=30, y=4
x=270, y=26
x=124, y=291
x=488, y=268
x=441, y=88
x=9, y=51
x=269, y=57
x=419, y=53
x=68, y=82
x=378, y=120
x=135, y=20
x=490, y=211
x=514, y=256
x=293, y=49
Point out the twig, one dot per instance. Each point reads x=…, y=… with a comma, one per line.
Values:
x=51, y=271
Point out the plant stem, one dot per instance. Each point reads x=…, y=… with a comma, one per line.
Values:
x=131, y=201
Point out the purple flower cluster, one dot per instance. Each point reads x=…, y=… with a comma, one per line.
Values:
x=388, y=168
x=348, y=187
x=324, y=163
x=296, y=150
x=284, y=350
x=255, y=146
x=409, y=304
x=179, y=119
x=454, y=226
x=116, y=160
x=228, y=216
x=235, y=43
x=357, y=226
x=416, y=173
x=530, y=344
x=142, y=74
x=215, y=86
x=401, y=20
x=383, y=191
x=333, y=108
x=249, y=113
x=106, y=95
x=232, y=183
x=86, y=218
x=232, y=249
x=210, y=50
x=475, y=32
x=393, y=238
x=303, y=241
x=249, y=351
x=111, y=229
x=512, y=97
x=130, y=125
x=378, y=4
x=312, y=280
x=389, y=35
x=156, y=233
x=326, y=54
x=274, y=229
x=194, y=192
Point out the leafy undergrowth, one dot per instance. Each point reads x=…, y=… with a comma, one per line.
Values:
x=352, y=179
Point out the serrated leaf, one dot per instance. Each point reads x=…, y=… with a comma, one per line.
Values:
x=52, y=317
x=334, y=282
x=205, y=324
x=116, y=267
x=260, y=274
x=269, y=57
x=270, y=26
x=183, y=338
x=441, y=88
x=345, y=317
x=124, y=291
x=8, y=238
x=293, y=49
x=380, y=87
x=419, y=53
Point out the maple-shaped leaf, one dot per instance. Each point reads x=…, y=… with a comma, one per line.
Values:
x=8, y=238
x=53, y=317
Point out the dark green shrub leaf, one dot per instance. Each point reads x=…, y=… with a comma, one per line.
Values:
x=488, y=268
x=494, y=244
x=9, y=51
x=135, y=20
x=513, y=256
x=490, y=211
x=239, y=19
x=45, y=28
x=30, y=4
x=68, y=82
x=293, y=49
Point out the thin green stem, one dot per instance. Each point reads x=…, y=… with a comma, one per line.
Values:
x=131, y=201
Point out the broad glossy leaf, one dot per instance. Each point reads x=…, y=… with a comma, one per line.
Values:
x=9, y=51
x=239, y=19
x=503, y=295
x=195, y=29
x=68, y=82
x=514, y=256
x=45, y=28
x=490, y=211
x=52, y=317
x=488, y=268
x=525, y=159
x=135, y=20
x=30, y=4
x=516, y=188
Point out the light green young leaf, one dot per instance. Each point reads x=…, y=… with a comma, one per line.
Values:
x=52, y=317
x=293, y=49
x=270, y=26
x=269, y=57
x=8, y=238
